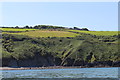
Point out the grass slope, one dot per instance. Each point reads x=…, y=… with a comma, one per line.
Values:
x=98, y=33
x=46, y=33
x=13, y=29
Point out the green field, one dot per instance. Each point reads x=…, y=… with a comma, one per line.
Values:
x=49, y=33
x=101, y=33
x=13, y=29
x=46, y=33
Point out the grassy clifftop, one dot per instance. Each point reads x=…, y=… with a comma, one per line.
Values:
x=98, y=33
x=45, y=33
x=54, y=33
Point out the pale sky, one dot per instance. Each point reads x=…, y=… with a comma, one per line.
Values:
x=99, y=16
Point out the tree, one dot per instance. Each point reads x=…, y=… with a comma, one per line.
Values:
x=85, y=29
x=30, y=27
x=76, y=28
x=16, y=27
x=26, y=26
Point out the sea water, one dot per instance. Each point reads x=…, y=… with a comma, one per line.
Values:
x=64, y=74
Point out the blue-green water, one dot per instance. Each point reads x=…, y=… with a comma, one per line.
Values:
x=63, y=73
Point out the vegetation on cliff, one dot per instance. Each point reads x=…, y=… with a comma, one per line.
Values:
x=73, y=48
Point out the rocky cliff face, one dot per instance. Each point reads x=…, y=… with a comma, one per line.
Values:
x=37, y=61
x=51, y=61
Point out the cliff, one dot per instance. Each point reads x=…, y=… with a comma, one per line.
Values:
x=84, y=50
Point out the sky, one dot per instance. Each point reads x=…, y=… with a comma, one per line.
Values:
x=98, y=16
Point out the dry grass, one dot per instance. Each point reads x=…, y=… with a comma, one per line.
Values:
x=46, y=33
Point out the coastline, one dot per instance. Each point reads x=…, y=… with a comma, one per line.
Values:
x=51, y=67
x=28, y=68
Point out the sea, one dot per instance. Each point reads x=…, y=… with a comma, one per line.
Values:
x=62, y=74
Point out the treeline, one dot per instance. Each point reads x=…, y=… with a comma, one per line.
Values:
x=47, y=27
